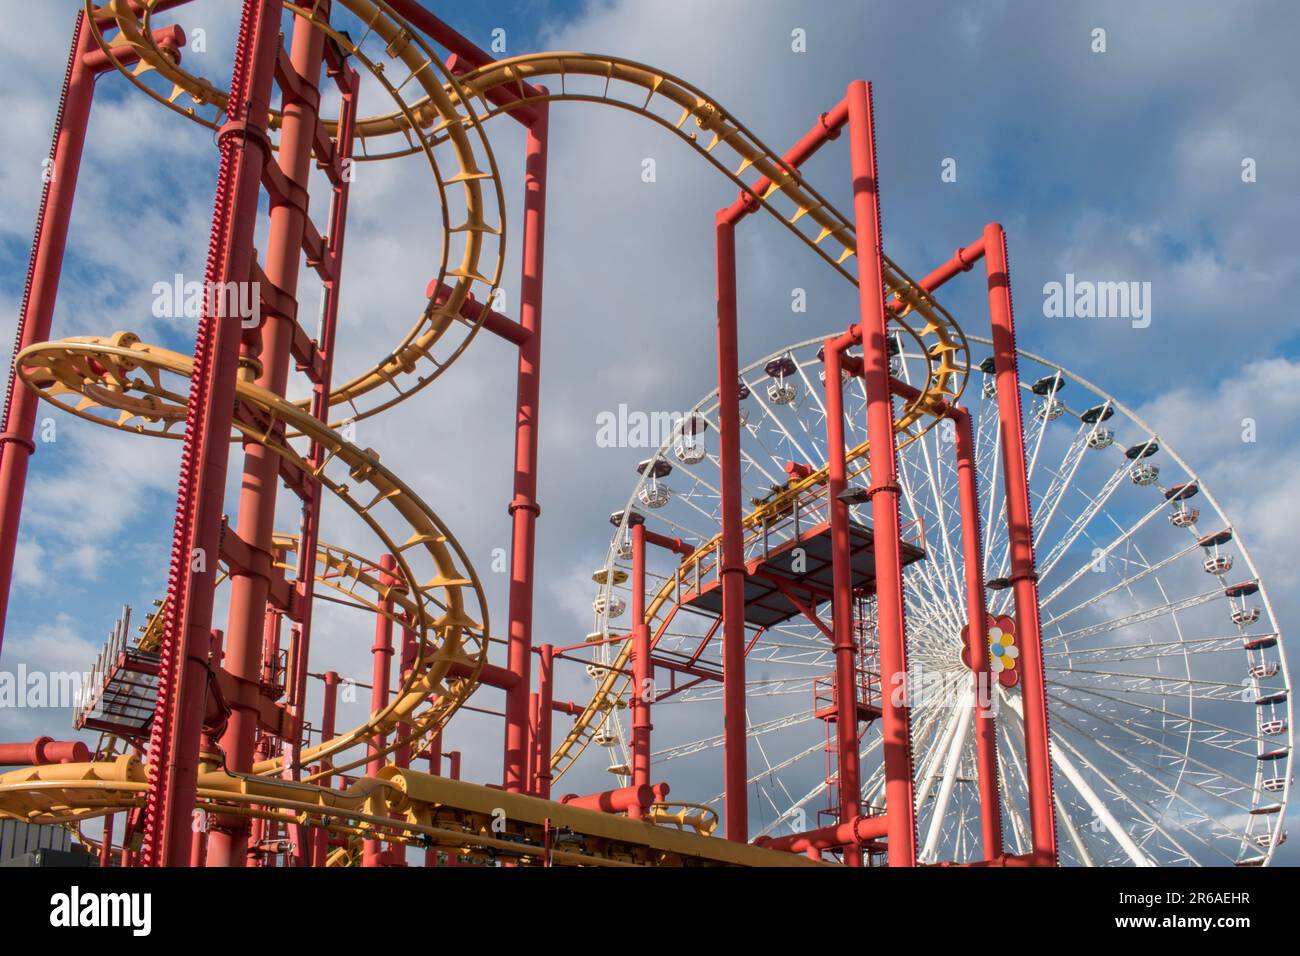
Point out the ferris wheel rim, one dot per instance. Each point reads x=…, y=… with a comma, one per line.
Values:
x=1256, y=794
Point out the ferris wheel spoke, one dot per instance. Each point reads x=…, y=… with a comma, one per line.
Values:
x=1202, y=731
x=951, y=764
x=1060, y=487
x=1107, y=653
x=1082, y=521
x=1081, y=786
x=1102, y=554
x=1197, y=776
x=1137, y=617
x=1196, y=812
x=1123, y=584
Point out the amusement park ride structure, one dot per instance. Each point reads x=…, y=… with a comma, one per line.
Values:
x=209, y=723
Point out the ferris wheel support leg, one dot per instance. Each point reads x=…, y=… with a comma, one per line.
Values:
x=523, y=506
x=884, y=491
x=1042, y=817
x=977, y=651
x=846, y=720
x=733, y=549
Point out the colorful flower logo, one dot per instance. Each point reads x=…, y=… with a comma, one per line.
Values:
x=1002, y=650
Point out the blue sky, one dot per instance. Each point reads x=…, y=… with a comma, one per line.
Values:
x=1115, y=166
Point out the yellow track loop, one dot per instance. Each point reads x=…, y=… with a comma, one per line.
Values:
x=120, y=373
x=400, y=806
x=741, y=156
x=474, y=189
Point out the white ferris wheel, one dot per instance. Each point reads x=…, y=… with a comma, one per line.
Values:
x=1167, y=685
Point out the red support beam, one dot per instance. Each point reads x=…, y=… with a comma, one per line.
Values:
x=1023, y=577
x=523, y=507
x=382, y=653
x=178, y=724
x=884, y=490
x=268, y=355
x=642, y=671
x=843, y=643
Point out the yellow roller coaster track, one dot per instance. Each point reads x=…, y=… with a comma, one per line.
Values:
x=120, y=374
x=399, y=806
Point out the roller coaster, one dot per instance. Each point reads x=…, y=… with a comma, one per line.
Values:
x=832, y=561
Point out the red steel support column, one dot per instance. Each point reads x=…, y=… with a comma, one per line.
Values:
x=883, y=461
x=329, y=709
x=43, y=273
x=977, y=648
x=269, y=357
x=85, y=63
x=846, y=692
x=183, y=674
x=523, y=507
x=733, y=545
x=382, y=650
x=545, y=717
x=106, y=848
x=435, y=769
x=642, y=672
x=1024, y=579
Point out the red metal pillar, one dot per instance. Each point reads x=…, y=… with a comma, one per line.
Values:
x=406, y=661
x=269, y=358
x=183, y=671
x=545, y=717
x=435, y=768
x=382, y=650
x=642, y=672
x=977, y=649
x=846, y=692
x=43, y=272
x=106, y=847
x=736, y=804
x=1023, y=577
x=883, y=462
x=523, y=506
x=329, y=710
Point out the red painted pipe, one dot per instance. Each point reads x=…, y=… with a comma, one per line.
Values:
x=977, y=649
x=471, y=308
x=1042, y=815
x=732, y=568
x=329, y=711
x=885, y=493
x=415, y=13
x=826, y=128
x=43, y=750
x=183, y=675
x=546, y=707
x=250, y=587
x=675, y=545
x=382, y=651
x=854, y=833
x=844, y=646
x=622, y=800
x=642, y=672
x=523, y=506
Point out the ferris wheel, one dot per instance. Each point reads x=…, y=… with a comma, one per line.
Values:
x=1168, y=691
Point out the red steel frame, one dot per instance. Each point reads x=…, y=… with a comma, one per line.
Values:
x=191, y=649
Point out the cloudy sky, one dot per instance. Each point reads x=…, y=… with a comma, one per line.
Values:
x=1122, y=165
